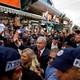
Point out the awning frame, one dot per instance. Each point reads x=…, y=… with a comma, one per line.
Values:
x=19, y=12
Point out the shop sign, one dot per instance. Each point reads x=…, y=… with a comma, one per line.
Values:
x=13, y=3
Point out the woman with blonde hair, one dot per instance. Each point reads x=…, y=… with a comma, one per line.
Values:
x=29, y=61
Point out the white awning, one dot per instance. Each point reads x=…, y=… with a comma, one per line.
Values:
x=19, y=12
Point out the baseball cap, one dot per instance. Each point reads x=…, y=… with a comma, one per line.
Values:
x=9, y=59
x=41, y=35
x=55, y=37
x=66, y=58
x=33, y=41
x=77, y=60
x=24, y=38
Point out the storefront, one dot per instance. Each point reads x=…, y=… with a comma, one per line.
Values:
x=19, y=12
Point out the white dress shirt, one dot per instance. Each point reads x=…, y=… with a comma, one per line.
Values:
x=42, y=51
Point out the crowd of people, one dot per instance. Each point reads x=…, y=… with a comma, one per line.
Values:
x=28, y=55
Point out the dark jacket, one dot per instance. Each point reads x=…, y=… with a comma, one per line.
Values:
x=44, y=57
x=28, y=74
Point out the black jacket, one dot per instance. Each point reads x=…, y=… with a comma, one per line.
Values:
x=28, y=74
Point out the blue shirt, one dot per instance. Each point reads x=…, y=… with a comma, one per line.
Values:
x=50, y=73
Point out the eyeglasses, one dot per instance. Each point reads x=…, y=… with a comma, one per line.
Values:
x=51, y=57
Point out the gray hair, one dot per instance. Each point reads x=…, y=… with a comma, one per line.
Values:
x=55, y=50
x=43, y=38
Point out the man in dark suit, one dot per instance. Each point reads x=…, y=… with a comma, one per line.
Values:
x=43, y=52
x=41, y=49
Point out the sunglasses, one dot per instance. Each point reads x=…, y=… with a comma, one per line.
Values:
x=51, y=57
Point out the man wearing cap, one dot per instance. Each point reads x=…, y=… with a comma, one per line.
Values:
x=33, y=42
x=67, y=64
x=55, y=41
x=10, y=68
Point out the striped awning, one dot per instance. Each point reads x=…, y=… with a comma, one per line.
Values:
x=19, y=12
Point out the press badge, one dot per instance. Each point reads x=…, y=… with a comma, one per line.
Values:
x=77, y=63
x=12, y=65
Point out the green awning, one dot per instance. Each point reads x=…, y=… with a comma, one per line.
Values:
x=24, y=2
